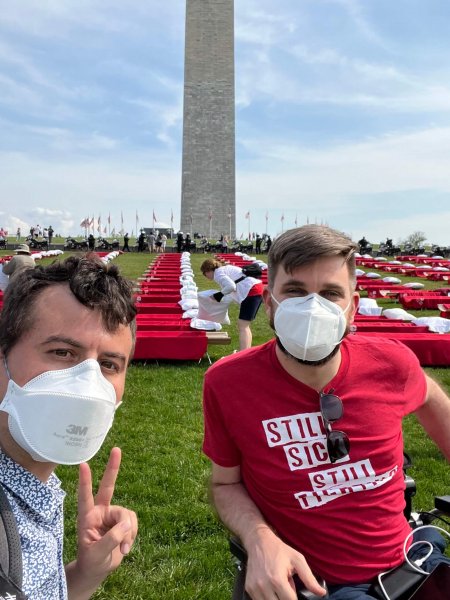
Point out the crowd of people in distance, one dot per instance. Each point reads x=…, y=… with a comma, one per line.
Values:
x=154, y=241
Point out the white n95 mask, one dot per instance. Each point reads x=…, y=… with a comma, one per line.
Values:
x=309, y=327
x=61, y=416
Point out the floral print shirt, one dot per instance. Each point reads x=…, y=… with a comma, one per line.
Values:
x=38, y=508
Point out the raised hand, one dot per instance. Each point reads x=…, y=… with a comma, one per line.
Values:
x=106, y=532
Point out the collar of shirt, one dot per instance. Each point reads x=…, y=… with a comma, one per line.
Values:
x=42, y=498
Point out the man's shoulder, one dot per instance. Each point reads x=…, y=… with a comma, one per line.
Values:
x=382, y=349
x=242, y=363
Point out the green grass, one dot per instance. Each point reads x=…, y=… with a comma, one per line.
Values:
x=182, y=552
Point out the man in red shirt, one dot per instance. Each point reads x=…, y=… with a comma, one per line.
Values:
x=304, y=433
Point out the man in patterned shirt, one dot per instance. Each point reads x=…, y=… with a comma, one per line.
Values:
x=66, y=336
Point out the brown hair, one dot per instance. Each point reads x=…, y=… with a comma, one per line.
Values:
x=304, y=245
x=93, y=283
x=210, y=264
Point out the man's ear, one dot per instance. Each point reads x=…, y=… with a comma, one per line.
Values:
x=267, y=299
x=355, y=300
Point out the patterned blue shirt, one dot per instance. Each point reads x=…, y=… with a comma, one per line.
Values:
x=38, y=508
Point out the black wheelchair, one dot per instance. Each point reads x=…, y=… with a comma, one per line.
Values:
x=407, y=579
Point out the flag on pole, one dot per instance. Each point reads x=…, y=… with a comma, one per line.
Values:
x=247, y=215
x=84, y=223
x=99, y=223
x=296, y=221
x=154, y=217
x=267, y=215
x=91, y=222
x=282, y=218
x=137, y=217
x=190, y=218
x=109, y=219
x=171, y=217
x=104, y=229
x=210, y=214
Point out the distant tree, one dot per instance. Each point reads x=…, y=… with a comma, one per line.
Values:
x=415, y=239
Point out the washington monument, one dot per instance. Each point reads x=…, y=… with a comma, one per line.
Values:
x=208, y=198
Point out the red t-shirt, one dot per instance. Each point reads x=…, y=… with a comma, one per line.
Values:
x=347, y=517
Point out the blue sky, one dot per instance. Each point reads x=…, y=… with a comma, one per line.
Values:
x=342, y=114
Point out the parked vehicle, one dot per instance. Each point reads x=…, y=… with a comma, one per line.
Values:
x=104, y=244
x=73, y=244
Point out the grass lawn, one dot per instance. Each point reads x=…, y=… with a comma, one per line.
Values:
x=182, y=552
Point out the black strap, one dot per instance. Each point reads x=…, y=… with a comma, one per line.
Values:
x=10, y=547
x=241, y=279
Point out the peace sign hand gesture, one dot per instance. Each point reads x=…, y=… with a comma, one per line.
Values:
x=106, y=532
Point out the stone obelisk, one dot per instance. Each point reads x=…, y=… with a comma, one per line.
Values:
x=208, y=188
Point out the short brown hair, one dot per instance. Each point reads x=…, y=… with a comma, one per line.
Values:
x=304, y=245
x=93, y=283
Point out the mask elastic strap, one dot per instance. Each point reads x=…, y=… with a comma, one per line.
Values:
x=6, y=368
x=274, y=299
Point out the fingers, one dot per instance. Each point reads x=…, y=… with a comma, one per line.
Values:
x=306, y=575
x=85, y=497
x=121, y=536
x=108, y=482
x=127, y=543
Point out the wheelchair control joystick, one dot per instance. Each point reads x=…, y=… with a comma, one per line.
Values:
x=304, y=594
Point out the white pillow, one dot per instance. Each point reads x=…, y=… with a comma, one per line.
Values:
x=391, y=280
x=373, y=275
x=414, y=286
x=369, y=307
x=359, y=272
x=188, y=304
x=398, y=313
x=205, y=325
x=435, y=324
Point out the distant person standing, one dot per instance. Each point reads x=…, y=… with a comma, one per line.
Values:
x=91, y=241
x=258, y=244
x=180, y=241
x=141, y=242
x=151, y=242
x=126, y=239
x=158, y=243
x=268, y=243
x=163, y=242
x=18, y=234
x=50, y=234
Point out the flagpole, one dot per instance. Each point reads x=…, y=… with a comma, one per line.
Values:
x=210, y=223
x=267, y=219
x=249, y=227
x=229, y=217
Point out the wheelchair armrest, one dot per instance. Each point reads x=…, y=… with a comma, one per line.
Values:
x=442, y=504
x=238, y=550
